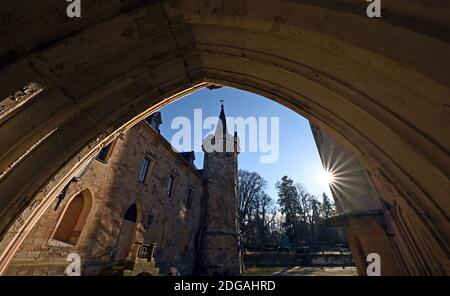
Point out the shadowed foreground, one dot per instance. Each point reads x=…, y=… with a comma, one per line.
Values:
x=302, y=271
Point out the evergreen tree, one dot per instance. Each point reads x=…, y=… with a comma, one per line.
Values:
x=289, y=206
x=327, y=209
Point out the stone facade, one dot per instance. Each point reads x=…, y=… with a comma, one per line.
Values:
x=117, y=201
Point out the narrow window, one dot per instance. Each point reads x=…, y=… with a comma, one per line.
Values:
x=189, y=199
x=105, y=153
x=170, y=185
x=144, y=169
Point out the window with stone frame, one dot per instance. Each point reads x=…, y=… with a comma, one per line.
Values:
x=170, y=185
x=144, y=169
x=106, y=152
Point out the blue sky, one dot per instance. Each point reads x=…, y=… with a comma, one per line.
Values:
x=298, y=155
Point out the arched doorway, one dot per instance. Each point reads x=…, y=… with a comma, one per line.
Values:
x=386, y=101
x=73, y=218
x=128, y=231
x=163, y=235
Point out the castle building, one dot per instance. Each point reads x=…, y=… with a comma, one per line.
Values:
x=140, y=207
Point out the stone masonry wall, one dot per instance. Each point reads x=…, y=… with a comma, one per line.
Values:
x=220, y=251
x=114, y=187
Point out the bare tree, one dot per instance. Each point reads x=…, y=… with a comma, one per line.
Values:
x=263, y=205
x=251, y=188
x=305, y=211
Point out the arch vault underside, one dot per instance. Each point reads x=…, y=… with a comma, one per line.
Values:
x=379, y=86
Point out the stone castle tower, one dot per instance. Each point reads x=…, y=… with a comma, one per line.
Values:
x=220, y=240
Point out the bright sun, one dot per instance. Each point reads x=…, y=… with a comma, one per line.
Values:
x=327, y=177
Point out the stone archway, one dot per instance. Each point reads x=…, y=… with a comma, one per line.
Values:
x=380, y=87
x=71, y=223
x=128, y=231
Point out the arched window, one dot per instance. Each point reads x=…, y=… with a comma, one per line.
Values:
x=131, y=214
x=74, y=216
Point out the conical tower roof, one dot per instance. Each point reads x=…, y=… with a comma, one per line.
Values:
x=221, y=128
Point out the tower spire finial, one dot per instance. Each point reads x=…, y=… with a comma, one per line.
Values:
x=221, y=129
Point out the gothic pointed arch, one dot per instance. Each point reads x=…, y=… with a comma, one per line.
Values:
x=128, y=234
x=73, y=218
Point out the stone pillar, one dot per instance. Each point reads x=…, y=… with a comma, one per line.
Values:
x=359, y=207
x=366, y=234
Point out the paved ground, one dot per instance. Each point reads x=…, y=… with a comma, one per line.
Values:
x=302, y=271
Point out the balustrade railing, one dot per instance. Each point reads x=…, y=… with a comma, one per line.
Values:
x=146, y=252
